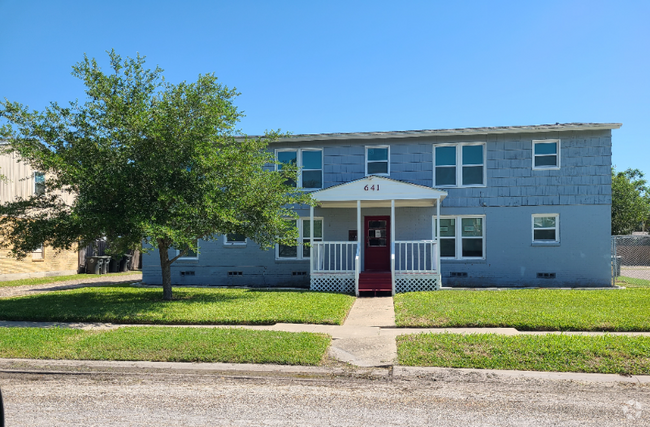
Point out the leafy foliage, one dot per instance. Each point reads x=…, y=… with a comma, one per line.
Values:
x=147, y=161
x=630, y=201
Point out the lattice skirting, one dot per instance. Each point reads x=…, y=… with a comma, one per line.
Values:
x=414, y=282
x=343, y=283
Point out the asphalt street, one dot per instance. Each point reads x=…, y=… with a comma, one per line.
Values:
x=356, y=398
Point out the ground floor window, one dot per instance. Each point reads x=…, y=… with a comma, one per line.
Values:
x=301, y=250
x=190, y=253
x=461, y=236
x=546, y=228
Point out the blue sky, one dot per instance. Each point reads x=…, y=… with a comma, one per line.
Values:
x=355, y=66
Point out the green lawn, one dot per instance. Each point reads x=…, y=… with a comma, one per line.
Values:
x=190, y=306
x=528, y=309
x=560, y=353
x=164, y=344
x=54, y=279
x=630, y=282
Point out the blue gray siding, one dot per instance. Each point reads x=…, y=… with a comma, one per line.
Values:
x=580, y=192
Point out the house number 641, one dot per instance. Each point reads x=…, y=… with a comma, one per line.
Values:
x=371, y=188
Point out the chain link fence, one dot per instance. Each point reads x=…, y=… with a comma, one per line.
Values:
x=631, y=257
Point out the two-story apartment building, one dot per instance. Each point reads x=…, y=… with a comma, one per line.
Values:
x=411, y=210
x=21, y=181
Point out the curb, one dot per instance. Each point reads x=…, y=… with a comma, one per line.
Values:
x=90, y=367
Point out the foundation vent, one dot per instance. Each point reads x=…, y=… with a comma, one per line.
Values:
x=546, y=275
x=187, y=273
x=299, y=273
x=458, y=274
x=235, y=273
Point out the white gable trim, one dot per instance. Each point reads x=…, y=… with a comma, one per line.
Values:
x=376, y=191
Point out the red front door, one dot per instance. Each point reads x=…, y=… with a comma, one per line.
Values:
x=377, y=243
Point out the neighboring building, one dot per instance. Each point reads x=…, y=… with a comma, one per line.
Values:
x=515, y=206
x=22, y=181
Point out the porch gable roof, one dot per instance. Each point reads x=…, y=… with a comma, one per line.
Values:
x=377, y=191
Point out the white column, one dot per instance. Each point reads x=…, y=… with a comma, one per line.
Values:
x=392, y=245
x=312, y=258
x=438, y=235
x=359, y=239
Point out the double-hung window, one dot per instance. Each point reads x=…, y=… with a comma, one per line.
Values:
x=39, y=183
x=301, y=249
x=190, y=254
x=546, y=154
x=546, y=228
x=459, y=165
x=309, y=161
x=461, y=237
x=38, y=254
x=378, y=160
x=234, y=239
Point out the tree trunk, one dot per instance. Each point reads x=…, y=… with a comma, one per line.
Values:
x=165, y=266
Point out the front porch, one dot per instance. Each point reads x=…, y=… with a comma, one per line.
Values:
x=373, y=259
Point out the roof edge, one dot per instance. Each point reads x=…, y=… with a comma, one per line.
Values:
x=451, y=132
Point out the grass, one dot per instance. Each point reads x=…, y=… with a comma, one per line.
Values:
x=190, y=306
x=631, y=282
x=528, y=309
x=165, y=344
x=609, y=354
x=54, y=279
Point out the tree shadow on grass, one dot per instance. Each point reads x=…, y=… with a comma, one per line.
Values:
x=117, y=305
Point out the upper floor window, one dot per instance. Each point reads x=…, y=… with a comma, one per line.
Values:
x=459, y=165
x=546, y=228
x=461, y=237
x=377, y=160
x=309, y=162
x=546, y=154
x=234, y=239
x=39, y=183
x=301, y=250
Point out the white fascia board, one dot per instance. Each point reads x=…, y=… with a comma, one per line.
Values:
x=450, y=132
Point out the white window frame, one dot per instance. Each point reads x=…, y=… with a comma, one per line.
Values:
x=299, y=241
x=190, y=258
x=36, y=173
x=299, y=164
x=556, y=228
x=459, y=165
x=557, y=154
x=227, y=242
x=379, y=161
x=458, y=236
x=38, y=254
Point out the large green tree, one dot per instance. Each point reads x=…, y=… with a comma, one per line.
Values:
x=148, y=161
x=630, y=205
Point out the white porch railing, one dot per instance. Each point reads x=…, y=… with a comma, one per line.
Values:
x=330, y=257
x=415, y=256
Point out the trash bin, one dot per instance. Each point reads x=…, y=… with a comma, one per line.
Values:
x=104, y=266
x=94, y=265
x=125, y=263
x=114, y=265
